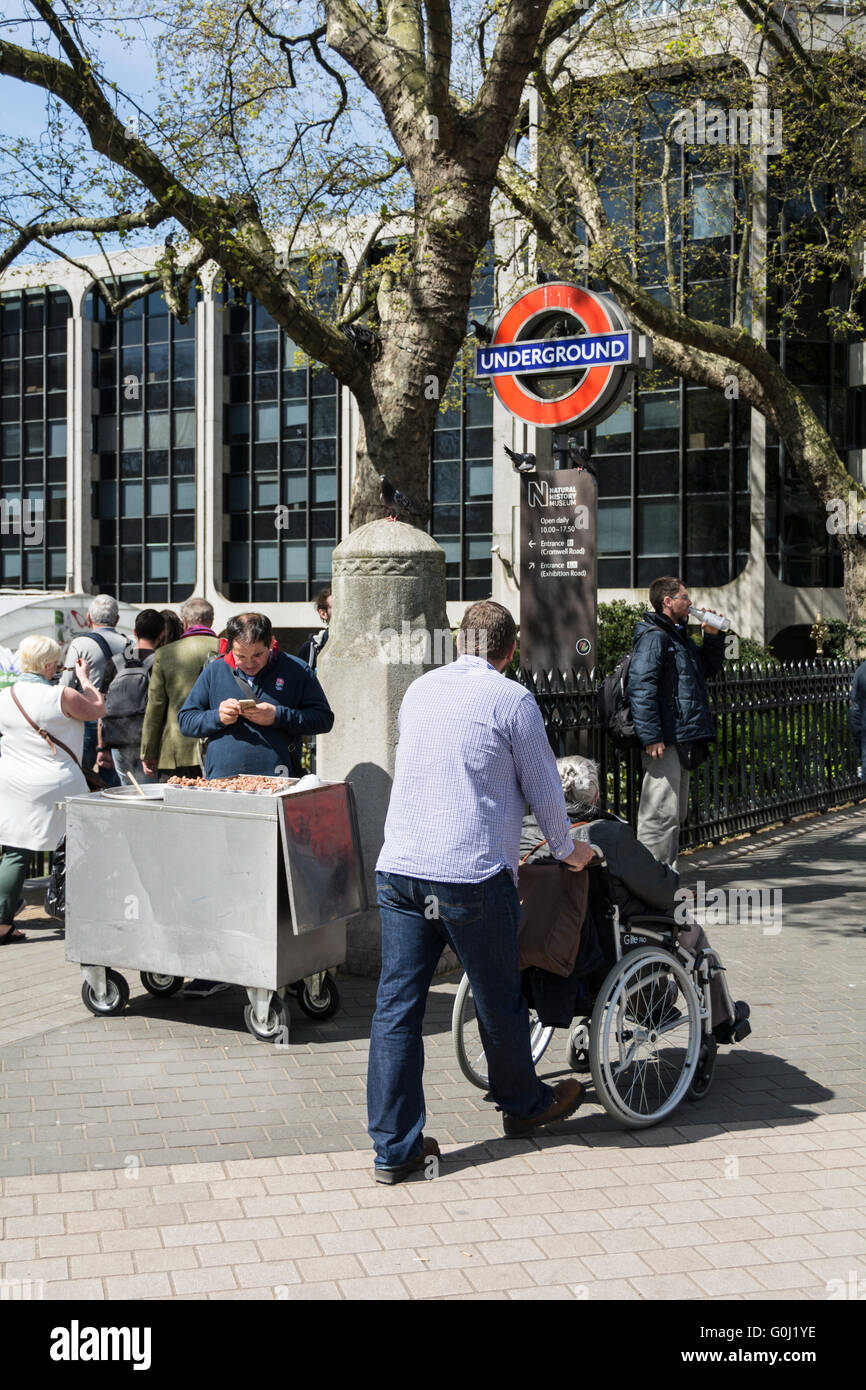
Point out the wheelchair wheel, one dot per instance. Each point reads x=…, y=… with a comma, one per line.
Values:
x=645, y=1037
x=467, y=1037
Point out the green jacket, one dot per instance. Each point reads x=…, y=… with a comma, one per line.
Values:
x=175, y=670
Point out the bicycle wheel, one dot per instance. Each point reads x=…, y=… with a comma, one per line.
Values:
x=645, y=1037
x=467, y=1037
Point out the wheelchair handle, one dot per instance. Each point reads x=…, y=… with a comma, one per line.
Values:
x=599, y=853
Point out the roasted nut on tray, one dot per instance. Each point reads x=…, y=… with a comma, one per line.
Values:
x=233, y=784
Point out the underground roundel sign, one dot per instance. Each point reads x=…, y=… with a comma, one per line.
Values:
x=562, y=355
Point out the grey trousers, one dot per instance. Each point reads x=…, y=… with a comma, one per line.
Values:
x=664, y=804
x=127, y=760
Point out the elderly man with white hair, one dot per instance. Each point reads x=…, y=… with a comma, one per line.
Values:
x=97, y=646
x=43, y=733
x=640, y=883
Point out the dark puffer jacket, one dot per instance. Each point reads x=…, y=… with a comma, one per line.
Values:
x=667, y=685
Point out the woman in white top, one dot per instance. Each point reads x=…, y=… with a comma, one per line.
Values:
x=35, y=775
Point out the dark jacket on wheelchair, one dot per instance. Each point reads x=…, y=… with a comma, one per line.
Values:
x=634, y=880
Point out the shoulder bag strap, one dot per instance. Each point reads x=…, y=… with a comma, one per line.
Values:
x=43, y=733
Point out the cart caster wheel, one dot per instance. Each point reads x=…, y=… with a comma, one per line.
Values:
x=276, y=1030
x=161, y=985
x=116, y=997
x=328, y=1003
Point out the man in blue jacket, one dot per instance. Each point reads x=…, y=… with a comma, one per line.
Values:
x=263, y=738
x=671, y=711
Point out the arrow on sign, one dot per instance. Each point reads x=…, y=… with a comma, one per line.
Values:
x=532, y=566
x=532, y=545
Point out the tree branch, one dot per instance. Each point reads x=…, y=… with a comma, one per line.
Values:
x=150, y=216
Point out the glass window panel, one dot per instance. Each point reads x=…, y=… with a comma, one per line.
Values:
x=156, y=561
x=238, y=563
x=294, y=560
x=10, y=566
x=184, y=494
x=184, y=429
x=711, y=208
x=295, y=489
x=446, y=444
x=265, y=386
x=479, y=409
x=132, y=431
x=446, y=480
x=57, y=503
x=131, y=465
x=33, y=375
x=320, y=556
x=56, y=566
x=34, y=567
x=238, y=356
x=658, y=526
x=295, y=419
x=324, y=453
x=183, y=391
x=324, y=416
x=157, y=362
x=322, y=382
x=32, y=343
x=265, y=561
x=451, y=548
x=614, y=527
x=158, y=430
x=238, y=492
x=11, y=437
x=157, y=497
x=106, y=434
x=184, y=359
x=157, y=463
x=131, y=499
x=478, y=548
x=34, y=437
x=183, y=564
x=324, y=487
x=708, y=419
x=267, y=421
x=479, y=479
x=57, y=437
x=265, y=354
x=56, y=374
x=11, y=379
x=184, y=461
x=266, y=495
x=479, y=443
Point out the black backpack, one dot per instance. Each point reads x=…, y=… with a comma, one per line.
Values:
x=614, y=708
x=126, y=700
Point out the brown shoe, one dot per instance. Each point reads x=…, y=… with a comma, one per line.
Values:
x=429, y=1149
x=567, y=1096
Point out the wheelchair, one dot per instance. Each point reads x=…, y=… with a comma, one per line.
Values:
x=645, y=1033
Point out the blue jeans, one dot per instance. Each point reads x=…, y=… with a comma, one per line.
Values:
x=479, y=921
x=88, y=754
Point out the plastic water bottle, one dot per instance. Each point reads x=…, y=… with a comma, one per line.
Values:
x=706, y=615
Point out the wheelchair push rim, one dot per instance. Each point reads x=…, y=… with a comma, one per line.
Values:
x=645, y=1037
x=467, y=1038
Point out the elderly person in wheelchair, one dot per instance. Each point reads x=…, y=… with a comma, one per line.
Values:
x=638, y=892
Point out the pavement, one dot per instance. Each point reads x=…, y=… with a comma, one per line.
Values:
x=164, y=1153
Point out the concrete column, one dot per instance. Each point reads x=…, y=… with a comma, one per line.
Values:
x=389, y=589
x=209, y=441
x=79, y=438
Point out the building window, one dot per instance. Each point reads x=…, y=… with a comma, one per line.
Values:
x=33, y=442
x=461, y=470
x=282, y=455
x=144, y=441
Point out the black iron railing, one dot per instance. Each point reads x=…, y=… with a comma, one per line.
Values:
x=784, y=746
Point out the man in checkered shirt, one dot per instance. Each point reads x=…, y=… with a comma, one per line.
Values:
x=472, y=750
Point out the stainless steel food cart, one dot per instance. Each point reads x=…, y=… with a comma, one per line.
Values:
x=248, y=888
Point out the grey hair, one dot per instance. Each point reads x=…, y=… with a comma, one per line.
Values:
x=103, y=610
x=579, y=777
x=196, y=612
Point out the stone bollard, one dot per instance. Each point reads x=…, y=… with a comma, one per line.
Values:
x=389, y=627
